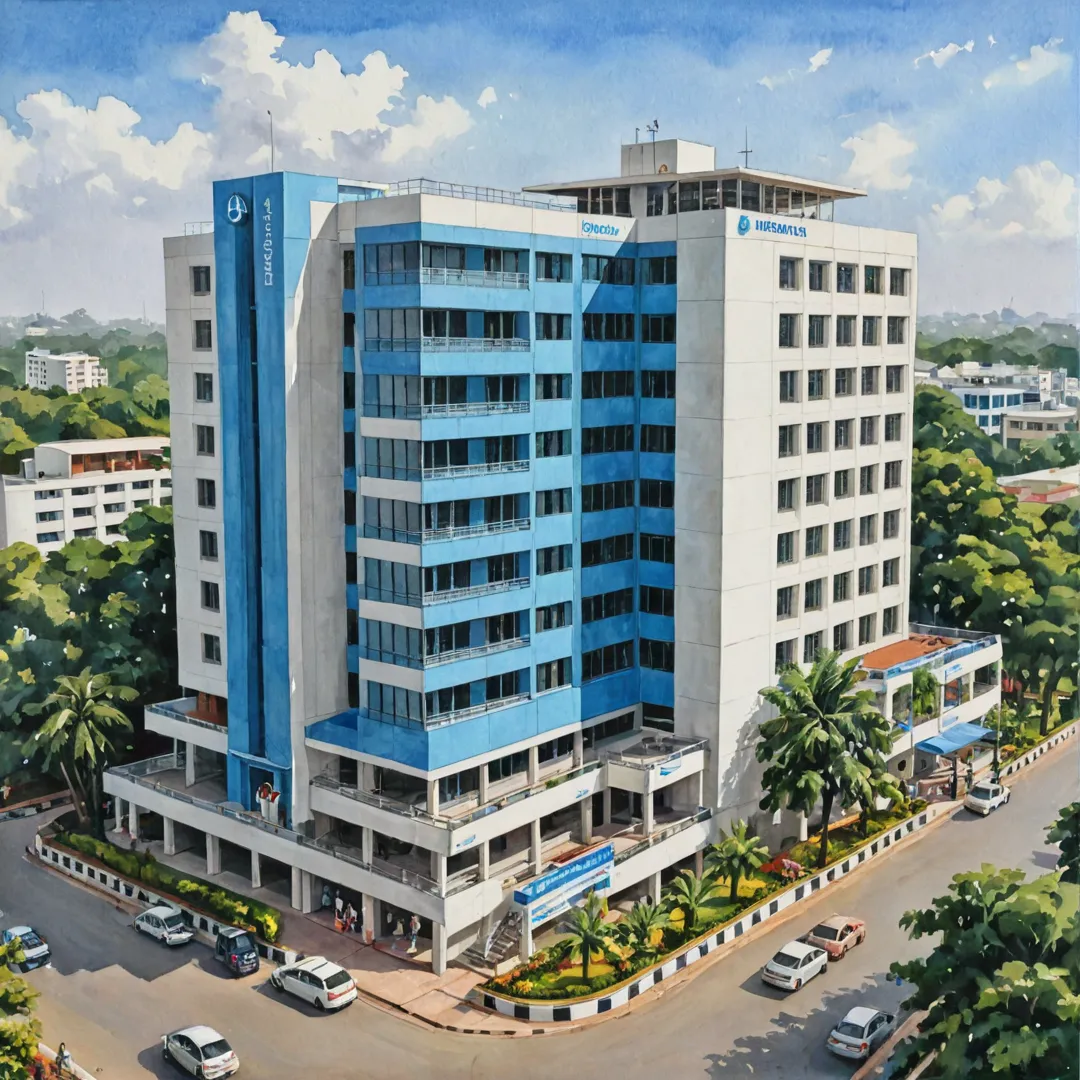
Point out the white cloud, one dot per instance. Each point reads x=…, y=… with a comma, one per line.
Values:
x=487, y=97
x=819, y=60
x=431, y=121
x=1041, y=62
x=991, y=40
x=1038, y=201
x=942, y=56
x=879, y=158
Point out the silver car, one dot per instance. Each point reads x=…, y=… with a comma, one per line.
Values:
x=860, y=1033
x=164, y=924
x=201, y=1051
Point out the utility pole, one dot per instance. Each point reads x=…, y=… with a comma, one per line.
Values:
x=746, y=151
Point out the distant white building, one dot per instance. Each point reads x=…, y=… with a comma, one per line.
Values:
x=73, y=371
x=83, y=487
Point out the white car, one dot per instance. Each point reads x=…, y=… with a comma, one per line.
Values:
x=200, y=1051
x=795, y=964
x=164, y=924
x=860, y=1033
x=34, y=947
x=317, y=981
x=984, y=797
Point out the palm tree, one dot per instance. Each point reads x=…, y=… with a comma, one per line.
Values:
x=641, y=925
x=693, y=894
x=736, y=856
x=77, y=732
x=825, y=744
x=587, y=931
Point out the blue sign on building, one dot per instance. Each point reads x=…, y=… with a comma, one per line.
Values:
x=565, y=875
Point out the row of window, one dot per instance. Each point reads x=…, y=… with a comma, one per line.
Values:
x=790, y=440
x=814, y=592
x=842, y=638
x=844, y=382
x=817, y=330
x=136, y=485
x=652, y=547
x=658, y=655
x=652, y=600
x=818, y=274
x=815, y=537
x=815, y=487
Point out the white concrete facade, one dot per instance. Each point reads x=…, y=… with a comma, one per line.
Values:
x=74, y=372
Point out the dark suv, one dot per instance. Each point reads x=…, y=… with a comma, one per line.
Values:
x=236, y=949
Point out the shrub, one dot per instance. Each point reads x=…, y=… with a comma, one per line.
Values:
x=602, y=982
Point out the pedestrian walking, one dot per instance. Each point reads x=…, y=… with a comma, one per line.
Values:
x=414, y=931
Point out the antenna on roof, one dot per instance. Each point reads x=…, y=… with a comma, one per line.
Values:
x=746, y=151
x=652, y=129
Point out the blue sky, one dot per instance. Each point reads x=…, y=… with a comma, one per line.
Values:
x=115, y=116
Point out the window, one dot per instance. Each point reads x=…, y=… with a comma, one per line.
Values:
x=867, y=626
x=898, y=281
x=657, y=329
x=890, y=621
x=550, y=560
x=841, y=587
x=895, y=330
x=845, y=277
x=842, y=434
x=872, y=279
x=607, y=440
x=893, y=427
x=660, y=270
x=553, y=387
x=841, y=637
x=553, y=266
x=554, y=501
x=113, y=487
x=208, y=547
x=868, y=431
x=789, y=386
x=657, y=439
x=658, y=384
x=402, y=522
x=80, y=511
x=867, y=580
x=607, y=269
x=789, y=332
x=350, y=507
x=816, y=385
x=204, y=386
x=74, y=491
x=841, y=532
x=890, y=524
x=552, y=327
x=689, y=196
x=817, y=331
x=348, y=330
x=657, y=548
x=785, y=602
x=868, y=529
x=844, y=382
x=605, y=661
x=553, y=616
x=658, y=494
x=399, y=264
x=789, y=440
x=211, y=595
x=656, y=655
x=348, y=268
x=204, y=439
x=812, y=595
x=446, y=577
x=52, y=493
x=388, y=643
x=396, y=583
x=845, y=329
x=610, y=495
x=350, y=567
x=789, y=273
x=397, y=329
x=553, y=443
x=608, y=605
x=785, y=548
x=399, y=459
x=894, y=379
x=51, y=515
x=871, y=330
x=553, y=674
x=207, y=493
x=815, y=541
x=870, y=380
x=607, y=384
x=785, y=653
x=211, y=648
x=890, y=572
x=608, y=549
x=597, y=326
x=812, y=645
x=348, y=390
x=657, y=601
x=819, y=276
x=867, y=479
x=203, y=334
x=893, y=474
x=200, y=280
x=89, y=532
x=785, y=494
x=815, y=437
x=815, y=489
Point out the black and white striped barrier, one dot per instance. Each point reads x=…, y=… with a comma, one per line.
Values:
x=1036, y=752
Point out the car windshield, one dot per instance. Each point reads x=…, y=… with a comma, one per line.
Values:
x=30, y=940
x=853, y=1031
x=215, y=1049
x=339, y=978
x=783, y=959
x=983, y=792
x=826, y=933
x=243, y=943
x=175, y=922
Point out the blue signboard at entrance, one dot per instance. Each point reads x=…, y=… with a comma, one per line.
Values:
x=566, y=875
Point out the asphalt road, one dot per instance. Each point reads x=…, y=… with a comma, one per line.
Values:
x=112, y=993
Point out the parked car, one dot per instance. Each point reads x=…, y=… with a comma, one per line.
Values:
x=984, y=797
x=837, y=934
x=795, y=964
x=861, y=1032
x=165, y=924
x=317, y=981
x=201, y=1051
x=34, y=947
x=236, y=949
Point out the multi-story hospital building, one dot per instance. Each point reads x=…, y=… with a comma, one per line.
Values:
x=496, y=510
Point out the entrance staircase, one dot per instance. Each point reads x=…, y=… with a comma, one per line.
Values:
x=502, y=943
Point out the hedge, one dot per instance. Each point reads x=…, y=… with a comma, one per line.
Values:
x=223, y=904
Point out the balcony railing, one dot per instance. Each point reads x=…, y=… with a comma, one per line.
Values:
x=703, y=814
x=447, y=344
x=198, y=228
x=492, y=647
x=467, y=592
x=495, y=279
x=473, y=710
x=473, y=408
x=480, y=468
x=422, y=186
x=487, y=528
x=652, y=752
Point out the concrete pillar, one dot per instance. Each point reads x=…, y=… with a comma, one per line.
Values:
x=579, y=749
x=647, y=813
x=367, y=844
x=169, y=842
x=189, y=765
x=296, y=900
x=367, y=915
x=586, y=819
x=654, y=885
x=483, y=792
x=133, y=821
x=438, y=869
x=535, y=856
x=307, y=892
x=256, y=870
x=607, y=807
x=119, y=807
x=213, y=855
x=365, y=776
x=700, y=789
x=534, y=765
x=378, y=924
x=484, y=862
x=438, y=948
x=433, y=797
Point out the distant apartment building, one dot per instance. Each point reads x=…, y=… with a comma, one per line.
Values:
x=1044, y=485
x=73, y=371
x=83, y=487
x=1034, y=423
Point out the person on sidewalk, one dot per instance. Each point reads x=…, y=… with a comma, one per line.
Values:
x=414, y=931
x=350, y=917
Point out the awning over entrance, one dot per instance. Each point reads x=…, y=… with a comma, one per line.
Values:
x=953, y=739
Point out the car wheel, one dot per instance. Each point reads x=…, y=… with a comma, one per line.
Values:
x=276, y=984
x=166, y=1053
x=319, y=1005
x=798, y=984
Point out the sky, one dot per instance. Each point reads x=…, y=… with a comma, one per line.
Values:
x=959, y=119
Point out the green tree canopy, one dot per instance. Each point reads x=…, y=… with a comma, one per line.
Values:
x=738, y=855
x=19, y=1030
x=1065, y=832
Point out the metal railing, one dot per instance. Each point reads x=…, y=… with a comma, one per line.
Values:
x=423, y=186
x=198, y=228
x=952, y=632
x=703, y=814
x=651, y=758
x=492, y=647
x=468, y=591
x=477, y=469
x=456, y=715
x=474, y=344
x=496, y=279
x=473, y=408
x=165, y=708
x=487, y=528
